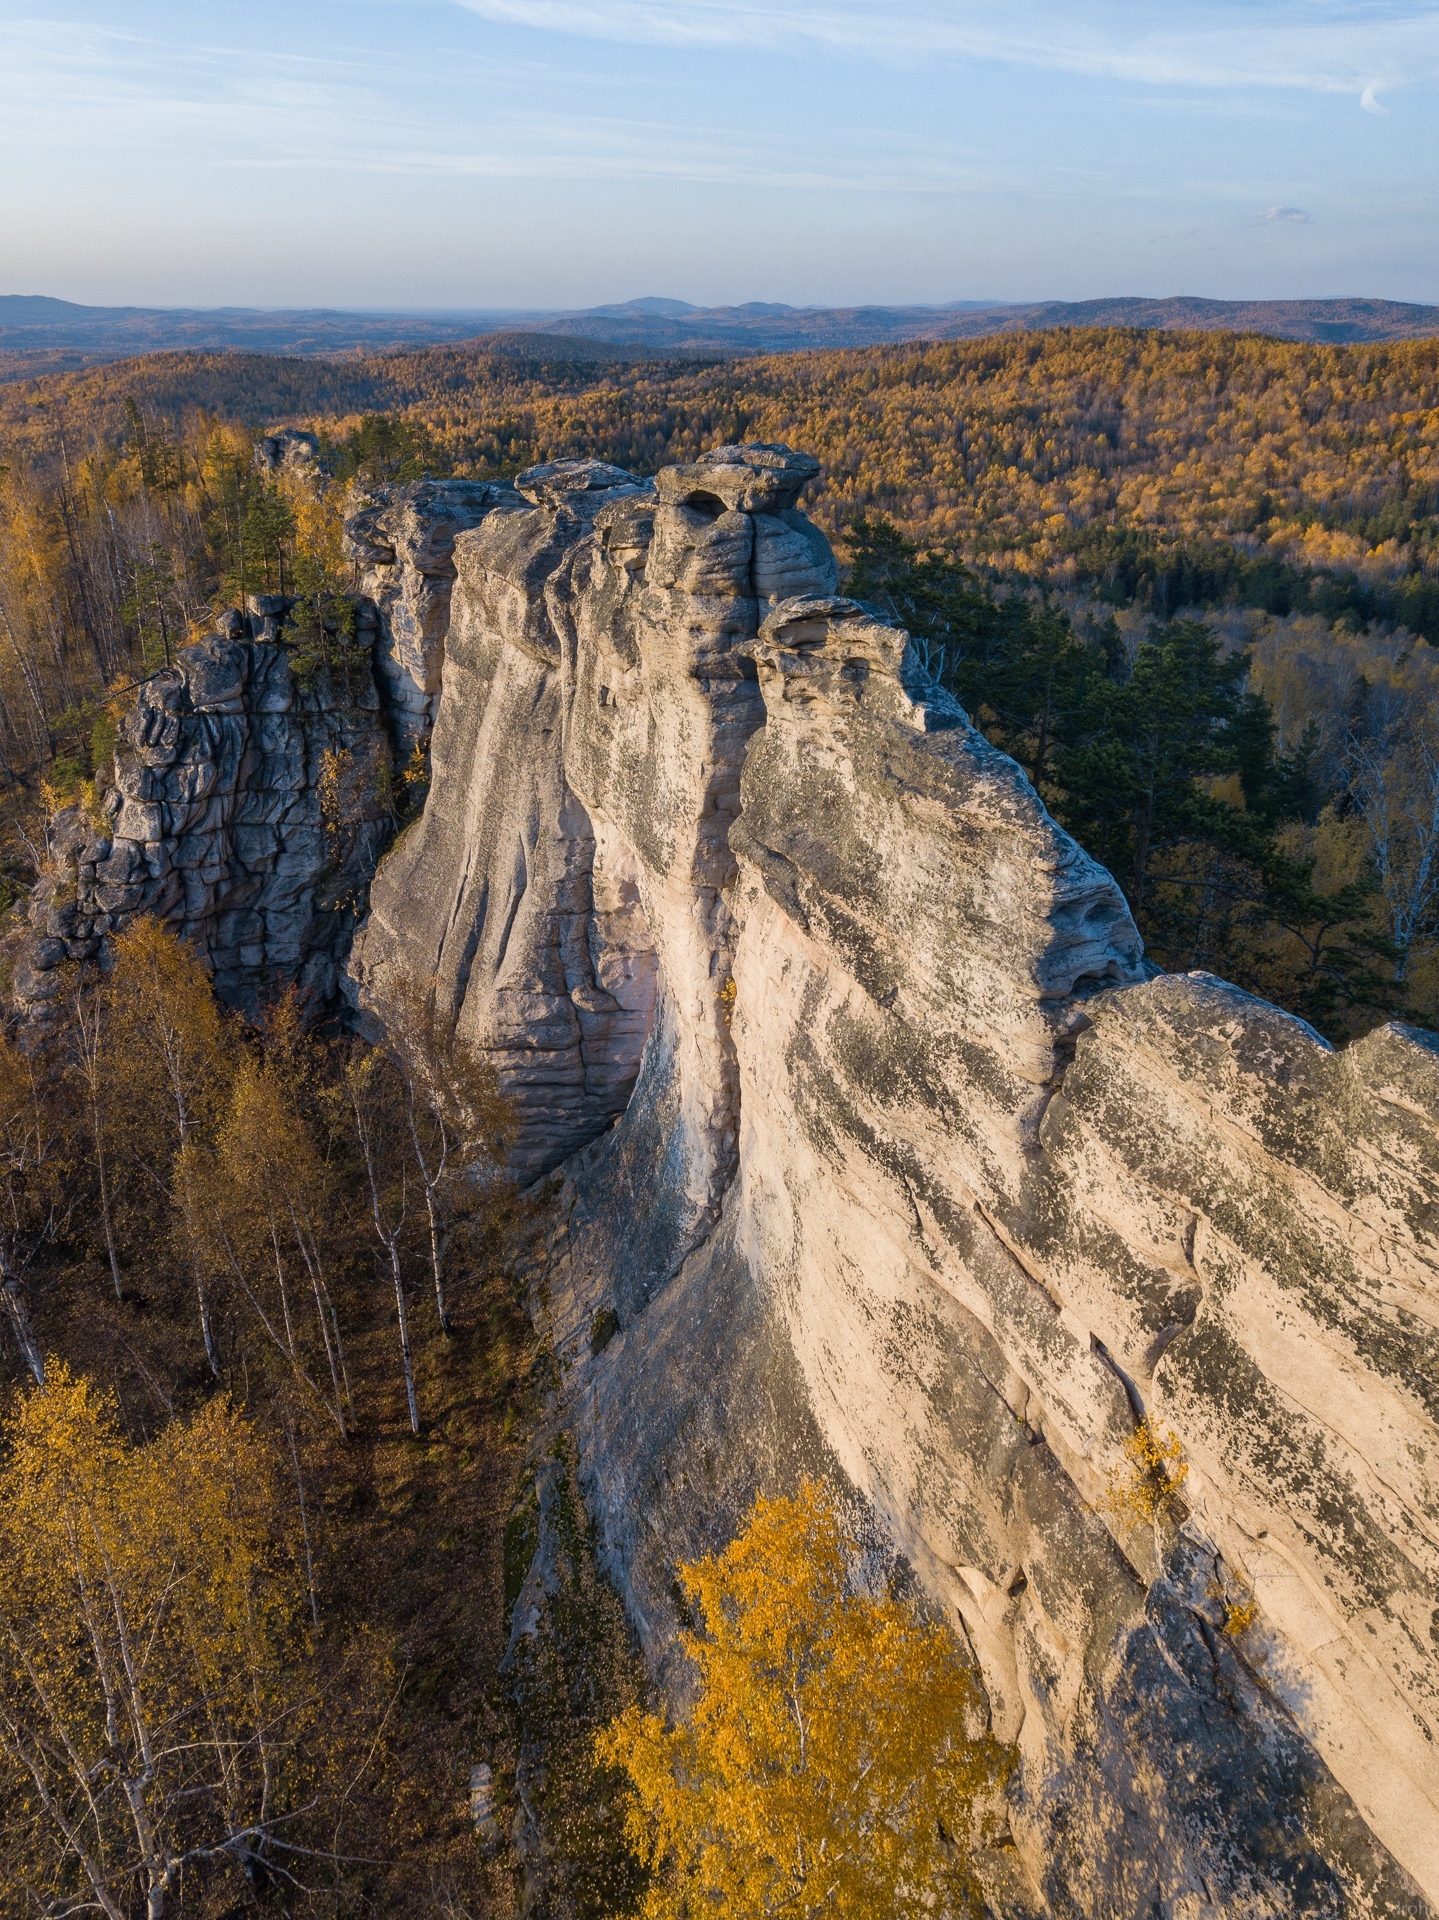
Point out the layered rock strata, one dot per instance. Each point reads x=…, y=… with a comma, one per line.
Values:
x=893, y=1164
x=245, y=809
x=878, y=1153
x=561, y=842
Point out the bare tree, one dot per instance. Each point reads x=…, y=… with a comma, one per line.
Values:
x=1393, y=783
x=153, y=1658
x=36, y=1198
x=89, y=1062
x=455, y=1118
x=374, y=1097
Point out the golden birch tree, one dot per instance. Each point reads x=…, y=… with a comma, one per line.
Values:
x=153, y=1692
x=833, y=1761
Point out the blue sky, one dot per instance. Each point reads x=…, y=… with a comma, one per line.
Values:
x=503, y=153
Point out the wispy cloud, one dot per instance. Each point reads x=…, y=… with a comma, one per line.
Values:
x=349, y=113
x=1290, y=216
x=1320, y=46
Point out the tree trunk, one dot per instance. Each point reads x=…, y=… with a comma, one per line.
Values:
x=312, y=1267
x=445, y=1326
x=105, y=1219
x=207, y=1329
x=304, y=1525
x=404, y=1314
x=18, y=1314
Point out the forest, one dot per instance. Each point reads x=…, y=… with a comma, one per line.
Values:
x=1055, y=516
x=266, y=1508
x=262, y=1281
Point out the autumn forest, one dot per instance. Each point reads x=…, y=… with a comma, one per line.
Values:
x=263, y=1278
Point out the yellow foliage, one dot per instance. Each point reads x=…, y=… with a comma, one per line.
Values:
x=149, y=1626
x=65, y=786
x=1239, y=1617
x=166, y=1036
x=1145, y=1489
x=828, y=1764
x=1240, y=1608
x=319, y=521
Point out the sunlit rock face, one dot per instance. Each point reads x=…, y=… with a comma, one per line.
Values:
x=401, y=539
x=881, y=1155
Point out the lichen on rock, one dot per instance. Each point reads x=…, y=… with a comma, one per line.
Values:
x=878, y=1153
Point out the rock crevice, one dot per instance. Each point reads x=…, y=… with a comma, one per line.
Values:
x=217, y=817
x=877, y=1151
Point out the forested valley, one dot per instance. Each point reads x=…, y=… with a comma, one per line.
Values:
x=262, y=1280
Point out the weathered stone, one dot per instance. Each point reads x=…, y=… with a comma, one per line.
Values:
x=566, y=482
x=290, y=449
x=882, y=1156
x=201, y=838
x=402, y=538
x=920, y=1181
x=749, y=479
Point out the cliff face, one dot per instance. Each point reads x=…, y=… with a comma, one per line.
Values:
x=880, y=1154
x=215, y=820
x=402, y=540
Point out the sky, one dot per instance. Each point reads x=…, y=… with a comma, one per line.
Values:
x=482, y=154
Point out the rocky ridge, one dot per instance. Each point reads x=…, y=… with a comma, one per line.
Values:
x=870, y=1148
x=879, y=1154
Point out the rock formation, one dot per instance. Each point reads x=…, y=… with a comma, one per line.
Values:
x=871, y=1148
x=217, y=818
x=879, y=1154
x=402, y=539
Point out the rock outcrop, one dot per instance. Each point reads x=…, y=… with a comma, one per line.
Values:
x=871, y=1148
x=245, y=809
x=401, y=540
x=879, y=1154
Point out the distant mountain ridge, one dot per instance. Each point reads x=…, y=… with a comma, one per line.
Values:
x=1340, y=322
x=35, y=322
x=41, y=334
x=765, y=328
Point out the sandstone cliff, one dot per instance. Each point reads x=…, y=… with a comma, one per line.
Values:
x=879, y=1153
x=402, y=540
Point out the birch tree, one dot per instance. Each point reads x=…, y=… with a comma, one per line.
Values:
x=169, y=1056
x=375, y=1102
x=832, y=1762
x=259, y=1198
x=1394, y=786
x=455, y=1120
x=36, y=1191
x=153, y=1692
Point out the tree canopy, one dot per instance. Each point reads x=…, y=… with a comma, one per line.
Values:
x=835, y=1760
x=154, y=1703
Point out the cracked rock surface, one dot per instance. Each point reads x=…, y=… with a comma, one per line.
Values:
x=213, y=822
x=402, y=539
x=876, y=1152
